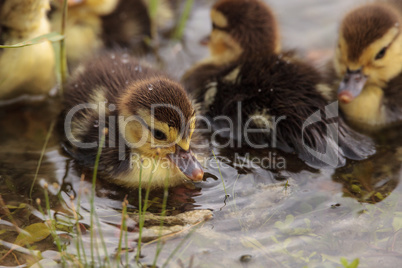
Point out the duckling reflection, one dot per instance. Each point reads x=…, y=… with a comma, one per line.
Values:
x=246, y=160
x=24, y=129
x=367, y=68
x=371, y=180
x=25, y=70
x=247, y=77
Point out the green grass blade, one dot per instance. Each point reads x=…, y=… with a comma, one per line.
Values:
x=63, y=52
x=142, y=215
x=179, y=246
x=49, y=133
x=153, y=8
x=178, y=33
x=163, y=214
x=137, y=258
x=52, y=37
x=92, y=199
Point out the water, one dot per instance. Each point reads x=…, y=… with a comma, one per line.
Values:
x=262, y=217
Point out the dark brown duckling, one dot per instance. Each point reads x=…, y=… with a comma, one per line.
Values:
x=148, y=117
x=367, y=67
x=249, y=80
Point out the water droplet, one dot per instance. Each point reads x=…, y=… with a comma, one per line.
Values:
x=76, y=85
x=150, y=87
x=125, y=58
x=259, y=90
x=96, y=123
x=112, y=56
x=112, y=107
x=138, y=68
x=113, y=71
x=272, y=89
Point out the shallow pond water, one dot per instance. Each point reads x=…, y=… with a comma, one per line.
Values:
x=291, y=216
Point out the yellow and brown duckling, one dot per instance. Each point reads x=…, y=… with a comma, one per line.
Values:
x=147, y=118
x=96, y=24
x=25, y=70
x=367, y=66
x=248, y=79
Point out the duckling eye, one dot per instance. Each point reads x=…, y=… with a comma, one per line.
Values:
x=381, y=54
x=159, y=135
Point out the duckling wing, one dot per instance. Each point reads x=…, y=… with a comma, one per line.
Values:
x=393, y=99
x=202, y=78
x=354, y=145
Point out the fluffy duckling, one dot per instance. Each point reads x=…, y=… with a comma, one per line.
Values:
x=96, y=24
x=26, y=70
x=367, y=67
x=248, y=79
x=148, y=117
x=84, y=26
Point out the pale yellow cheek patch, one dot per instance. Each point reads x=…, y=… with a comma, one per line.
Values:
x=223, y=47
x=219, y=19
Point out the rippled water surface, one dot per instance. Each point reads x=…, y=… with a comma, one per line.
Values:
x=261, y=217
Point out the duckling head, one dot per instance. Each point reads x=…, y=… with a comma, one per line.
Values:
x=23, y=15
x=369, y=51
x=242, y=28
x=157, y=120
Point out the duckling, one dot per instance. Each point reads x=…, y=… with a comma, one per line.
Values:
x=93, y=25
x=84, y=26
x=367, y=67
x=146, y=117
x=248, y=78
x=26, y=70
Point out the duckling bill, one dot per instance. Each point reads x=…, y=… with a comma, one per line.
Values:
x=367, y=66
x=148, y=117
x=280, y=95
